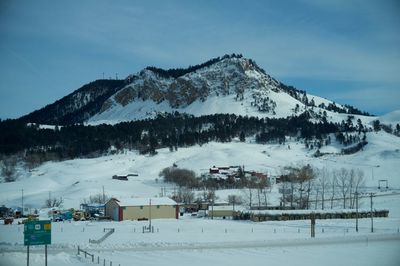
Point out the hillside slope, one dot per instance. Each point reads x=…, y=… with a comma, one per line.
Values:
x=75, y=180
x=232, y=84
x=77, y=106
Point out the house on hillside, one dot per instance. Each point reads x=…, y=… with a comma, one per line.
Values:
x=142, y=209
x=124, y=177
x=120, y=177
x=229, y=171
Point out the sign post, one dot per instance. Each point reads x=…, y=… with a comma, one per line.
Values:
x=37, y=233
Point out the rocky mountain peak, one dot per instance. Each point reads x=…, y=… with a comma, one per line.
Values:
x=181, y=87
x=229, y=84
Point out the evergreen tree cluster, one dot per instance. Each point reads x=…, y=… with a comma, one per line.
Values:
x=167, y=130
x=348, y=109
x=178, y=72
x=292, y=91
x=64, y=111
x=301, y=96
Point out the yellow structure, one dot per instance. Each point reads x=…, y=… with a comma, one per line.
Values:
x=221, y=211
x=142, y=209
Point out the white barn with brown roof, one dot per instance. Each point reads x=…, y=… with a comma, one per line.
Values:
x=142, y=209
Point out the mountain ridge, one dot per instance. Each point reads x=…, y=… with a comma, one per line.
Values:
x=232, y=80
x=76, y=106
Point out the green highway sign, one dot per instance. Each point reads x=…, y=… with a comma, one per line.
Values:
x=37, y=233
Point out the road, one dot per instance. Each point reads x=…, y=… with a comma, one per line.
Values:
x=362, y=239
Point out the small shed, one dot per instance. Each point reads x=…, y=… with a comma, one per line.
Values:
x=120, y=177
x=142, y=209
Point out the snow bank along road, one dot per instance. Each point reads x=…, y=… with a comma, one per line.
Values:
x=276, y=243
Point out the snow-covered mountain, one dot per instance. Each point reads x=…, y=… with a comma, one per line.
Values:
x=230, y=84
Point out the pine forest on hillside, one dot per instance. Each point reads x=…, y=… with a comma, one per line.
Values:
x=36, y=145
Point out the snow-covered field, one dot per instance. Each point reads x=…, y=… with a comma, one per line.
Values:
x=75, y=180
x=202, y=241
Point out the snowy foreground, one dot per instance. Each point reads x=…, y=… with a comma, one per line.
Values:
x=202, y=241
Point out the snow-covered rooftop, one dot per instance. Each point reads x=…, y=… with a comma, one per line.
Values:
x=146, y=201
x=226, y=208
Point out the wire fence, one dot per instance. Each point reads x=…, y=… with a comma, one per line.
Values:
x=95, y=259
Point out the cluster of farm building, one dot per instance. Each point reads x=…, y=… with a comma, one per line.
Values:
x=119, y=209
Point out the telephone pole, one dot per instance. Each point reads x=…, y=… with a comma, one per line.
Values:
x=372, y=214
x=22, y=200
x=312, y=217
x=104, y=196
x=150, y=216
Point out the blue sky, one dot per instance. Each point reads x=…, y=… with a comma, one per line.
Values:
x=346, y=51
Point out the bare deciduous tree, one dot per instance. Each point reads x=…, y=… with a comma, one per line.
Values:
x=342, y=176
x=54, y=202
x=301, y=179
x=99, y=198
x=182, y=177
x=333, y=182
x=235, y=200
x=323, y=183
x=357, y=182
x=8, y=168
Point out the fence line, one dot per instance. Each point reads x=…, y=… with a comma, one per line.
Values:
x=110, y=232
x=92, y=257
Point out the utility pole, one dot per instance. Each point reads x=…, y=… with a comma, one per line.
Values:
x=372, y=173
x=22, y=200
x=104, y=196
x=212, y=209
x=150, y=217
x=312, y=217
x=372, y=215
